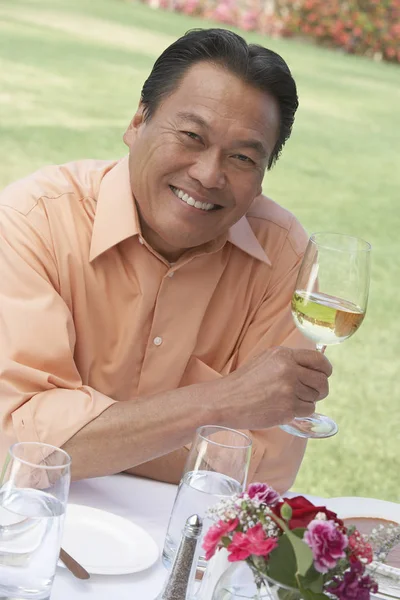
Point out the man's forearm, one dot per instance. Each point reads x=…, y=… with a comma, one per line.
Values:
x=167, y=468
x=131, y=433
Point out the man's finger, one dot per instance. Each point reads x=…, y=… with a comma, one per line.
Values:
x=312, y=359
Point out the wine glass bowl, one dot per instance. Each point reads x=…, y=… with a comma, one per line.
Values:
x=329, y=304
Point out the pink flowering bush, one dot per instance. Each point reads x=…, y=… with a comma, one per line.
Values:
x=368, y=27
x=302, y=546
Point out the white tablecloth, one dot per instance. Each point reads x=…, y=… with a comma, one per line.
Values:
x=146, y=503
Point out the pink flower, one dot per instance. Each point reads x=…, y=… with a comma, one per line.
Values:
x=264, y=493
x=214, y=535
x=254, y=541
x=327, y=543
x=239, y=547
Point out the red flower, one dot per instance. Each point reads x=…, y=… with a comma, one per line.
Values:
x=359, y=548
x=215, y=534
x=303, y=512
x=254, y=541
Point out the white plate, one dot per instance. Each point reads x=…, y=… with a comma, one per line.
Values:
x=388, y=577
x=364, y=507
x=106, y=544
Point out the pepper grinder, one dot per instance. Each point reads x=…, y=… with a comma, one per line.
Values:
x=180, y=582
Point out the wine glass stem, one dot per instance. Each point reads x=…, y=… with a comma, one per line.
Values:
x=321, y=348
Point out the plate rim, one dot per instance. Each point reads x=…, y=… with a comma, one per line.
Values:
x=115, y=570
x=366, y=502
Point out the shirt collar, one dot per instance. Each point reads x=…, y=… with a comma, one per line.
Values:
x=116, y=217
x=242, y=236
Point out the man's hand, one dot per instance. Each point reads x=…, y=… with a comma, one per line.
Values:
x=275, y=387
x=267, y=391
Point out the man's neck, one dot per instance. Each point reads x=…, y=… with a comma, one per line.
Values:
x=169, y=253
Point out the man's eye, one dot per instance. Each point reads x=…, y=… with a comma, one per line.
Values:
x=192, y=135
x=244, y=158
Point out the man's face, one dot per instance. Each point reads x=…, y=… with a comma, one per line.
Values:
x=208, y=143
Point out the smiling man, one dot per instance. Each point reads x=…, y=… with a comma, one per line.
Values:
x=142, y=298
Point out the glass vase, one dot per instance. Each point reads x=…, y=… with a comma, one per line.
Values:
x=241, y=582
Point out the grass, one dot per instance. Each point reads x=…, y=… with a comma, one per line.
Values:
x=70, y=79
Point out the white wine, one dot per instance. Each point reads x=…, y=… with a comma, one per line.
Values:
x=325, y=319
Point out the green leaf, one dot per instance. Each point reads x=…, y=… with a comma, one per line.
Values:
x=226, y=540
x=313, y=581
x=304, y=556
x=286, y=511
x=299, y=531
x=312, y=589
x=282, y=563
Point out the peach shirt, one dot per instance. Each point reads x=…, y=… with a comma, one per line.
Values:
x=91, y=315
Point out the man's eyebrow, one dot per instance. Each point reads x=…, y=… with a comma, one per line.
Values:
x=192, y=118
x=254, y=145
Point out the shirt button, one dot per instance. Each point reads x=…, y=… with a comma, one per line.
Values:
x=171, y=274
x=157, y=341
x=140, y=241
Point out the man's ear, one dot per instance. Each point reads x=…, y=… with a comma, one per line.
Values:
x=137, y=121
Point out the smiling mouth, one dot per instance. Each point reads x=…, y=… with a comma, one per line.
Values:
x=205, y=206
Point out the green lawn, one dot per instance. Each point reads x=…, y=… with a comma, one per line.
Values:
x=70, y=78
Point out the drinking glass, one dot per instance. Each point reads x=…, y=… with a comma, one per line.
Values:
x=34, y=486
x=329, y=304
x=216, y=468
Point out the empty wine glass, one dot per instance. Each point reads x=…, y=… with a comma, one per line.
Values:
x=329, y=304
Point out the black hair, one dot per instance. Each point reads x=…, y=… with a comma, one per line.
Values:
x=254, y=64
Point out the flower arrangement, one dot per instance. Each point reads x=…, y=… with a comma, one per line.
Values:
x=302, y=546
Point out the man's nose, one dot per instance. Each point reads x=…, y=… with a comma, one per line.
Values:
x=208, y=170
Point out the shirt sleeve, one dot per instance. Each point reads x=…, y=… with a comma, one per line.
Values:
x=277, y=455
x=42, y=397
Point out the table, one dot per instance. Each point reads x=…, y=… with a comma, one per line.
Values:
x=148, y=504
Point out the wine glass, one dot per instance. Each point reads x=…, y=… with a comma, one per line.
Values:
x=329, y=304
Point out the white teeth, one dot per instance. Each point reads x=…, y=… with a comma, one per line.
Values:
x=189, y=200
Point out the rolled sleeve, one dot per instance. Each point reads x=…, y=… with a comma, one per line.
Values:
x=42, y=396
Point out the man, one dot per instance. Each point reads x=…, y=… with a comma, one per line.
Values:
x=143, y=298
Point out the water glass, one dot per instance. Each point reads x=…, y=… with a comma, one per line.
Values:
x=34, y=486
x=216, y=468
